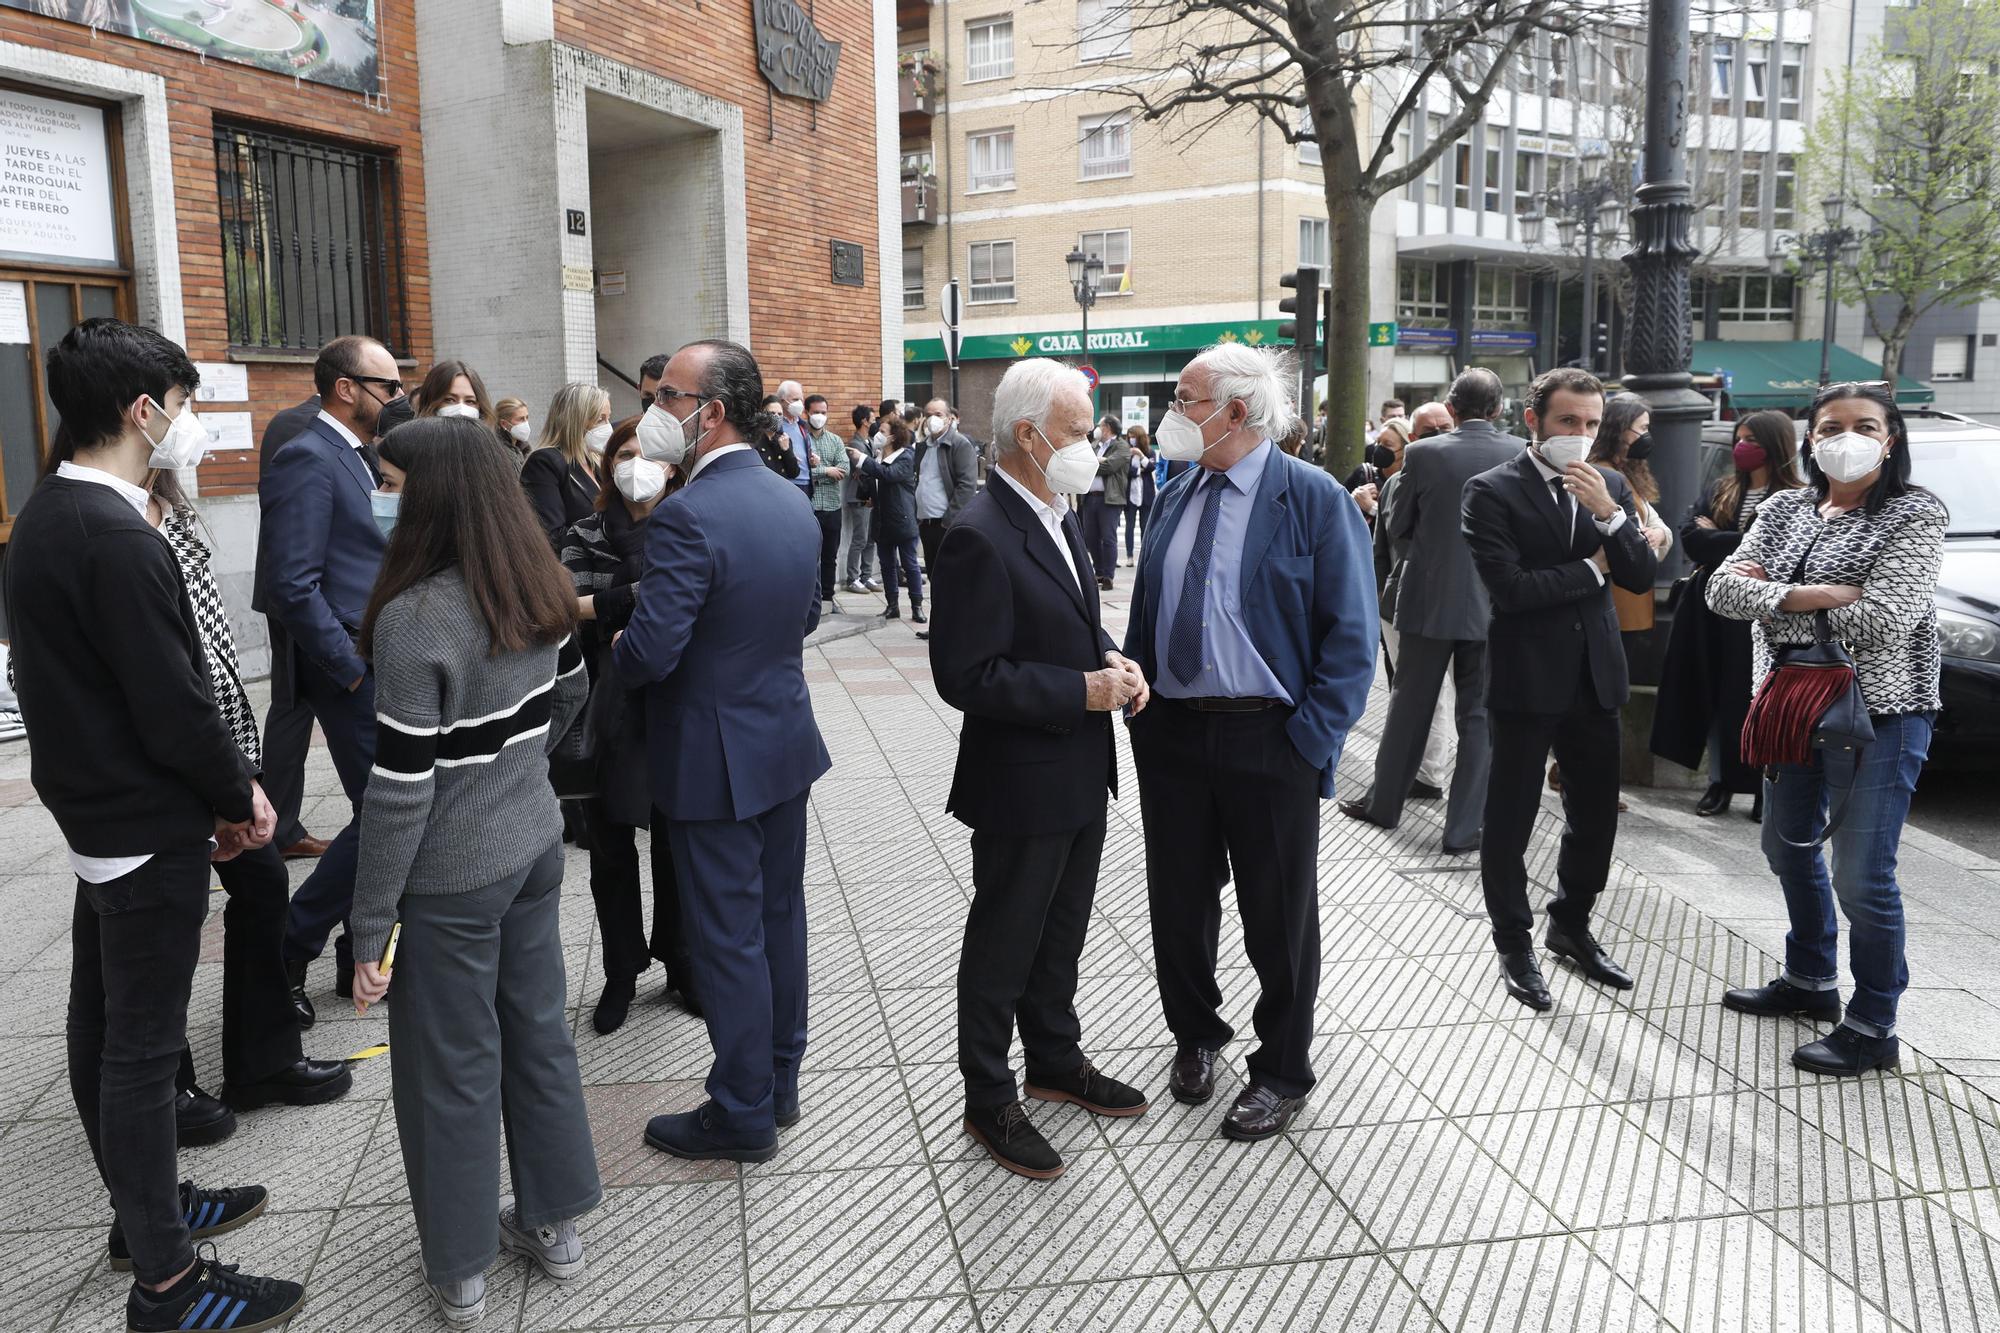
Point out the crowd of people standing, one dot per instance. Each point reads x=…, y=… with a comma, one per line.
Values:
x=515, y=638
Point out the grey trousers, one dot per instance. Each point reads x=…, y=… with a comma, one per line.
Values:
x=859, y=555
x=479, y=1033
x=1420, y=668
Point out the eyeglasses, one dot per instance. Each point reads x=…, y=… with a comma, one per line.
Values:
x=395, y=387
x=666, y=395
x=1185, y=403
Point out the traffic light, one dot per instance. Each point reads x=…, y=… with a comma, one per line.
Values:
x=1303, y=326
x=1600, y=345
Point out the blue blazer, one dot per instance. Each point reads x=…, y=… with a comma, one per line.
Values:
x=318, y=550
x=730, y=590
x=1308, y=598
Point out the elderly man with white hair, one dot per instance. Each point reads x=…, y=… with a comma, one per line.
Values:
x=792, y=424
x=1018, y=645
x=1254, y=618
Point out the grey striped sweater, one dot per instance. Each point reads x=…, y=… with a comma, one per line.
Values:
x=459, y=795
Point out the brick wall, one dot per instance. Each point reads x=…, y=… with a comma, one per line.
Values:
x=804, y=186
x=197, y=93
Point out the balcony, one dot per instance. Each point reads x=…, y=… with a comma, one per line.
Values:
x=921, y=201
x=916, y=91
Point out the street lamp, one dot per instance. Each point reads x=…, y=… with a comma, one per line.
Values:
x=1083, y=271
x=1811, y=253
x=1596, y=208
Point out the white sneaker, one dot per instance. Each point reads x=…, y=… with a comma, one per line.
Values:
x=557, y=1247
x=855, y=586
x=463, y=1304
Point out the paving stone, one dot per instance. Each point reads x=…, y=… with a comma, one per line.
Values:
x=1088, y=1225
x=848, y=1237
x=662, y=1253
x=1330, y=1295
x=945, y=1314
x=1138, y=1305
x=1537, y=1282
x=1237, y=1203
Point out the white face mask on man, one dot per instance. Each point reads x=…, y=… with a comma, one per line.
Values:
x=663, y=436
x=1070, y=469
x=1179, y=439
x=934, y=425
x=817, y=421
x=1559, y=451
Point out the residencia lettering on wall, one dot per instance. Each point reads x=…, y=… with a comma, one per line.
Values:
x=791, y=53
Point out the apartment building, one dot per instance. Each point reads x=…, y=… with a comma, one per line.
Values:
x=1019, y=147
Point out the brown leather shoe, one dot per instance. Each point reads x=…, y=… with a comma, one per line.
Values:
x=1259, y=1113
x=1193, y=1079
x=306, y=848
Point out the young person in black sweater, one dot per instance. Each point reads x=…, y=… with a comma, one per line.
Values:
x=133, y=758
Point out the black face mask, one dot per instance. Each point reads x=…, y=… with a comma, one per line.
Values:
x=1381, y=455
x=394, y=413
x=1641, y=448
x=645, y=401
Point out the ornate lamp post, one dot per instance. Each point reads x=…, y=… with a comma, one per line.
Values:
x=1595, y=208
x=1083, y=271
x=1811, y=253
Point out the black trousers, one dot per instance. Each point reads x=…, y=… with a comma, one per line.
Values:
x=134, y=942
x=347, y=719
x=1100, y=533
x=1225, y=792
x=930, y=535
x=288, y=725
x=1586, y=742
x=829, y=550
x=614, y=888
x=260, y=1029
x=1031, y=897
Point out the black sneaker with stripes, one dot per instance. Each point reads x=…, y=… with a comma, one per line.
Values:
x=207, y=1213
x=213, y=1296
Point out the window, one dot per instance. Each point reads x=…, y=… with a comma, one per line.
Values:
x=1785, y=192
x=1791, y=79
x=992, y=265
x=1528, y=186
x=1753, y=80
x=1491, y=185
x=1103, y=29
x=1499, y=296
x=310, y=244
x=1114, y=249
x=1724, y=75
x=1588, y=56
x=1316, y=248
x=1404, y=153
x=1421, y=292
x=1107, y=146
x=913, y=277
x=1434, y=177
x=1752, y=298
x=1749, y=191
x=992, y=155
x=1559, y=66
x=1461, y=175
x=989, y=49
x=1308, y=147
x=1951, y=359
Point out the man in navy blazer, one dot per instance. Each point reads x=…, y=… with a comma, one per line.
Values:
x=1254, y=618
x=730, y=590
x=318, y=551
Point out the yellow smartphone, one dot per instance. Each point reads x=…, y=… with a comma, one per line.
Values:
x=388, y=960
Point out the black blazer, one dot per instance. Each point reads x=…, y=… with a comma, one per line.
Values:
x=1552, y=618
x=1012, y=635
x=560, y=491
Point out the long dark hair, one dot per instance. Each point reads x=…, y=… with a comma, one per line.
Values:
x=1609, y=446
x=1772, y=430
x=463, y=505
x=1895, y=479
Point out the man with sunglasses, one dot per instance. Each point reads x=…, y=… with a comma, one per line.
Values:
x=319, y=550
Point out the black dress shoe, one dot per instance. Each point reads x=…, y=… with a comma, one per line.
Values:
x=306, y=1083
x=1091, y=1089
x=1359, y=810
x=1259, y=1113
x=295, y=975
x=343, y=981
x=1426, y=791
x=1846, y=1053
x=1523, y=976
x=1467, y=849
x=612, y=1005
x=1581, y=949
x=1713, y=801
x=1780, y=998
x=1193, y=1079
x=1012, y=1140
x=200, y=1119
x=695, y=1136
x=917, y=614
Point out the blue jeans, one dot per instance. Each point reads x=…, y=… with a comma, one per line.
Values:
x=1864, y=870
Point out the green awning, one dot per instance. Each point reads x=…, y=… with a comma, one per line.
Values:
x=1786, y=374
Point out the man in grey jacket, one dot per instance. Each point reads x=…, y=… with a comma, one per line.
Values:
x=947, y=475
x=1441, y=615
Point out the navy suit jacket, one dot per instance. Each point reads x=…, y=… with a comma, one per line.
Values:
x=1308, y=598
x=318, y=550
x=730, y=590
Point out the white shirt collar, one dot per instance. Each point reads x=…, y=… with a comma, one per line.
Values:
x=343, y=431
x=1548, y=473
x=1043, y=511
x=136, y=497
x=711, y=456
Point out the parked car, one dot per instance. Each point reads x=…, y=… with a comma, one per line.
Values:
x=1959, y=459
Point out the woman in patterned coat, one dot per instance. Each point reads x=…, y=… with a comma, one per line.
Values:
x=1859, y=545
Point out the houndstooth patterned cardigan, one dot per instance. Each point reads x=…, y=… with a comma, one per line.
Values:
x=1893, y=556
x=180, y=528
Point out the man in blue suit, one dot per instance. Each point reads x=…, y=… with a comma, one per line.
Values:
x=1253, y=616
x=730, y=590
x=318, y=551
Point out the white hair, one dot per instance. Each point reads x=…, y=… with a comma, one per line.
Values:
x=789, y=384
x=1263, y=378
x=1028, y=392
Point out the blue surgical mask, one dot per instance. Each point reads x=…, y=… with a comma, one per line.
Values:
x=384, y=505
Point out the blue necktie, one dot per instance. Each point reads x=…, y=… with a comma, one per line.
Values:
x=1184, y=638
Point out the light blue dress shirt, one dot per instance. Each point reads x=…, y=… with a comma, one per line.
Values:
x=1232, y=666
x=795, y=431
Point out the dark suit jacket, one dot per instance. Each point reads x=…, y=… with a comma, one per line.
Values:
x=1308, y=585
x=1439, y=595
x=282, y=429
x=561, y=492
x=318, y=550
x=730, y=590
x=1011, y=638
x=1552, y=617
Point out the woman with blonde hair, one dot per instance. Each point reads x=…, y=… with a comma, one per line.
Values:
x=510, y=423
x=563, y=474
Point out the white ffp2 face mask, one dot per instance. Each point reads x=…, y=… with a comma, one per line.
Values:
x=520, y=432
x=458, y=410
x=934, y=425
x=1559, y=451
x=597, y=437
x=663, y=436
x=639, y=480
x=1847, y=456
x=185, y=442
x=1071, y=468
x=1179, y=438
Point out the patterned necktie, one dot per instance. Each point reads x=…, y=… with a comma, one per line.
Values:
x=1184, y=639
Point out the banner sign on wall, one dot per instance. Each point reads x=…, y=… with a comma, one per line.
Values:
x=55, y=181
x=792, y=55
x=324, y=41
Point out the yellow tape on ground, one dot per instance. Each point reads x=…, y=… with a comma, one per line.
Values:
x=369, y=1052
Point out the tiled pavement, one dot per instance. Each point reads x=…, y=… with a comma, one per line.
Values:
x=1640, y=1161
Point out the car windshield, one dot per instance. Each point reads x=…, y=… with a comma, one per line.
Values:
x=1966, y=476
